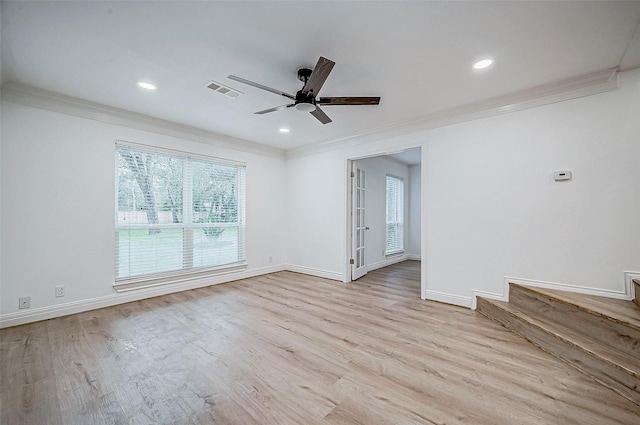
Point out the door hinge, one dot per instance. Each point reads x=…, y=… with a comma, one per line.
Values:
x=351, y=261
x=353, y=174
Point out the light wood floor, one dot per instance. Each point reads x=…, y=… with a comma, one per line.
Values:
x=287, y=348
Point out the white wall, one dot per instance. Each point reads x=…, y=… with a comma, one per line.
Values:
x=376, y=170
x=58, y=205
x=492, y=208
x=415, y=196
x=316, y=215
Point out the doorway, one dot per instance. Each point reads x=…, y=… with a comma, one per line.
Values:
x=384, y=219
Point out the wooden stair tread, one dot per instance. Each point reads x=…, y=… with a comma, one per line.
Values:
x=619, y=359
x=623, y=311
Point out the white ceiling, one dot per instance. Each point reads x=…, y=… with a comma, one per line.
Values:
x=416, y=55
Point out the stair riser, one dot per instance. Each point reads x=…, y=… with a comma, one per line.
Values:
x=609, y=332
x=607, y=374
x=637, y=287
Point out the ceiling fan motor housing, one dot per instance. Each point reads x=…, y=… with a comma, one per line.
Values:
x=305, y=103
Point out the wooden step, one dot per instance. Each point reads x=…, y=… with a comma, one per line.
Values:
x=636, y=285
x=611, y=367
x=612, y=322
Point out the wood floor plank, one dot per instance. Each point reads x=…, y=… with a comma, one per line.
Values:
x=286, y=348
x=25, y=367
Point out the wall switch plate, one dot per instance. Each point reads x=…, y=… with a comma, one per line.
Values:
x=59, y=291
x=24, y=302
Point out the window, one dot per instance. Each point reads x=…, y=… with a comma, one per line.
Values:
x=176, y=213
x=395, y=215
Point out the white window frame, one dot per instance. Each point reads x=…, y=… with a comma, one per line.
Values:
x=399, y=214
x=188, y=272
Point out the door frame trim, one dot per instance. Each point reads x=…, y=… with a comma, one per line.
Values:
x=351, y=218
x=348, y=207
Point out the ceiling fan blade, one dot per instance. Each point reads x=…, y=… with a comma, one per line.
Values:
x=318, y=76
x=260, y=86
x=348, y=101
x=320, y=115
x=277, y=108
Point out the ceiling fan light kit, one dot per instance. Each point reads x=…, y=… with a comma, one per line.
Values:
x=306, y=99
x=305, y=107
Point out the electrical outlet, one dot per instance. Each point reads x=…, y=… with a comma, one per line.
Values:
x=24, y=302
x=59, y=291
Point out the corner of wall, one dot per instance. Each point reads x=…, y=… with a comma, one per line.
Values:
x=447, y=298
x=327, y=274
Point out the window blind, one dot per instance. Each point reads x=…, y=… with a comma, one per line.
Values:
x=176, y=213
x=395, y=215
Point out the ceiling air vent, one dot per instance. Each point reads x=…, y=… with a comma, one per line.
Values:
x=222, y=89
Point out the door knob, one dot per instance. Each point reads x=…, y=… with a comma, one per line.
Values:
x=366, y=228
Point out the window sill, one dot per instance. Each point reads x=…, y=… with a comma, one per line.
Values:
x=126, y=285
x=393, y=254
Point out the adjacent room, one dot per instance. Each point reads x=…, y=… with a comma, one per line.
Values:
x=303, y=212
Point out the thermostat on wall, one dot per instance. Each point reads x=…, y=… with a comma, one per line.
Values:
x=562, y=175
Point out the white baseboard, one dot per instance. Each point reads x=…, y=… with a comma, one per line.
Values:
x=387, y=262
x=627, y=292
x=624, y=294
x=314, y=272
x=49, y=312
x=414, y=257
x=491, y=295
x=447, y=298
x=58, y=310
x=628, y=283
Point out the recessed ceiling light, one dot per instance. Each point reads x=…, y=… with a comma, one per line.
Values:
x=147, y=86
x=284, y=130
x=484, y=63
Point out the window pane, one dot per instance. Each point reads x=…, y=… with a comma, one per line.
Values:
x=141, y=251
x=395, y=215
x=149, y=188
x=215, y=193
x=214, y=246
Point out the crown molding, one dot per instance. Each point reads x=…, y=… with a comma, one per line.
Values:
x=43, y=99
x=572, y=88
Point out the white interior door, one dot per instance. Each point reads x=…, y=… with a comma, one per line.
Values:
x=358, y=226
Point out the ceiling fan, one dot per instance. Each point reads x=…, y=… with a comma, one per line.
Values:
x=306, y=99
